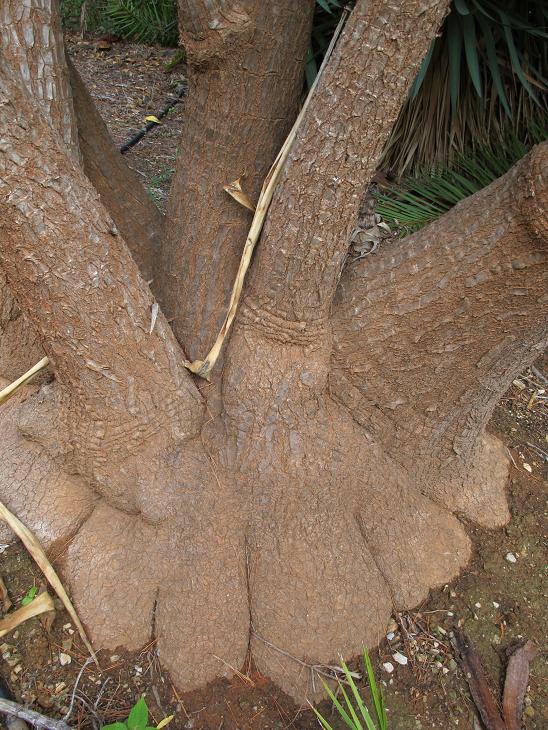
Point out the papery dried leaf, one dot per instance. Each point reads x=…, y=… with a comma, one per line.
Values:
x=234, y=189
x=39, y=556
x=5, y=602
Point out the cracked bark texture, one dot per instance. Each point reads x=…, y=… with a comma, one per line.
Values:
x=30, y=39
x=286, y=523
x=430, y=334
x=246, y=61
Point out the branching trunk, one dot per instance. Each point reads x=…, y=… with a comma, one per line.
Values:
x=247, y=61
x=430, y=333
x=291, y=520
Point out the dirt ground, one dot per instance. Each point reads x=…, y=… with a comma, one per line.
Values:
x=499, y=600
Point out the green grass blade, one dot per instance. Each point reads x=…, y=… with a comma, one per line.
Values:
x=358, y=699
x=376, y=692
x=417, y=83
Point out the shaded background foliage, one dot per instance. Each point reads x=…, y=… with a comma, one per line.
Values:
x=477, y=105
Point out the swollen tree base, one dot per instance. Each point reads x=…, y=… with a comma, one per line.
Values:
x=272, y=511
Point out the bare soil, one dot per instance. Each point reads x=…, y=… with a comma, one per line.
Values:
x=499, y=602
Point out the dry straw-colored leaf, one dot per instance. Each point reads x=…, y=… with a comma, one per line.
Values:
x=5, y=603
x=41, y=604
x=234, y=189
x=39, y=556
x=10, y=389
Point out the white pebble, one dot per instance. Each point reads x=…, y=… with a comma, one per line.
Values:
x=496, y=605
x=477, y=605
x=64, y=659
x=390, y=635
x=400, y=658
x=388, y=667
x=511, y=558
x=528, y=468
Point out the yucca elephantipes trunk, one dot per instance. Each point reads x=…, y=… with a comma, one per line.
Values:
x=316, y=484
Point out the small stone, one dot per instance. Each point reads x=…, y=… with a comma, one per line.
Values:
x=400, y=658
x=388, y=667
x=496, y=605
x=511, y=558
x=15, y=634
x=452, y=594
x=64, y=659
x=445, y=670
x=477, y=605
x=392, y=627
x=528, y=468
x=17, y=669
x=390, y=635
x=519, y=384
x=114, y=658
x=67, y=626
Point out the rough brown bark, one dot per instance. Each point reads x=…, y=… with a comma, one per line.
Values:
x=114, y=441
x=278, y=525
x=430, y=333
x=138, y=220
x=31, y=40
x=247, y=66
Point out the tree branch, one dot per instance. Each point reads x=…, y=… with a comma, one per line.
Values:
x=431, y=331
x=237, y=116
x=306, y=236
x=74, y=278
x=32, y=42
x=138, y=220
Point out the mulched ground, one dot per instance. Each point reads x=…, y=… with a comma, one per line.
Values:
x=497, y=601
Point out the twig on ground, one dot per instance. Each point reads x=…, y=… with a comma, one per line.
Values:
x=470, y=663
x=7, y=707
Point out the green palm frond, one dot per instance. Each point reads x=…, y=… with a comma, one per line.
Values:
x=483, y=77
x=418, y=200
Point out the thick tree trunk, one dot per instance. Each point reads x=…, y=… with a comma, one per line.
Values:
x=430, y=333
x=247, y=70
x=31, y=41
x=114, y=442
x=280, y=525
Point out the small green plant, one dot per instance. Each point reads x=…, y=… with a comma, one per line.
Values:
x=353, y=710
x=156, y=181
x=138, y=719
x=29, y=596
